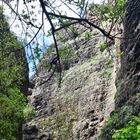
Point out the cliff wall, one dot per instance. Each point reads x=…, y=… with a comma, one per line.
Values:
x=78, y=109
x=81, y=106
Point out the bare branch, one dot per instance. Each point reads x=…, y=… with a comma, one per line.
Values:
x=53, y=34
x=34, y=35
x=83, y=20
x=52, y=74
x=66, y=25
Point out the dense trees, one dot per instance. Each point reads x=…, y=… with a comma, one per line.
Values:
x=13, y=82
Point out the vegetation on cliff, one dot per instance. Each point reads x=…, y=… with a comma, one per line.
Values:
x=127, y=98
x=13, y=83
x=127, y=82
x=130, y=131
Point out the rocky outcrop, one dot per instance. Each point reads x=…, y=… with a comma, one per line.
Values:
x=127, y=98
x=78, y=109
x=128, y=76
x=30, y=133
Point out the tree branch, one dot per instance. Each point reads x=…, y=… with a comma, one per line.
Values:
x=53, y=34
x=83, y=20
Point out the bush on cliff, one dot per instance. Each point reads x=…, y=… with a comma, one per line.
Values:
x=13, y=74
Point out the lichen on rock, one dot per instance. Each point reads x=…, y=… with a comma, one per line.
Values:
x=79, y=108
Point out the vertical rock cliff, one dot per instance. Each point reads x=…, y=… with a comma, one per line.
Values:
x=127, y=98
x=78, y=109
x=85, y=103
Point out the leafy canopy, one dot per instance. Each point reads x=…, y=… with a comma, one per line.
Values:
x=12, y=76
x=130, y=132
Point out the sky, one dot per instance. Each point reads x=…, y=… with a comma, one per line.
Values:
x=19, y=28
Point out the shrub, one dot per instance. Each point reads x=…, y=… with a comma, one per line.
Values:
x=88, y=36
x=11, y=113
x=103, y=46
x=130, y=132
x=66, y=55
x=112, y=12
x=28, y=112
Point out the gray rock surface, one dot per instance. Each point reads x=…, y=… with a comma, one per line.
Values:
x=78, y=109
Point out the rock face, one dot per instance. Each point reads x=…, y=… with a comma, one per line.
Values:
x=30, y=133
x=127, y=97
x=78, y=109
x=128, y=77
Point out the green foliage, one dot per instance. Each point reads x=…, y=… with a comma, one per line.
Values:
x=63, y=23
x=110, y=11
x=88, y=36
x=13, y=72
x=28, y=112
x=50, y=49
x=119, y=119
x=13, y=64
x=80, y=5
x=74, y=30
x=130, y=132
x=11, y=113
x=110, y=124
x=37, y=53
x=103, y=46
x=66, y=55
